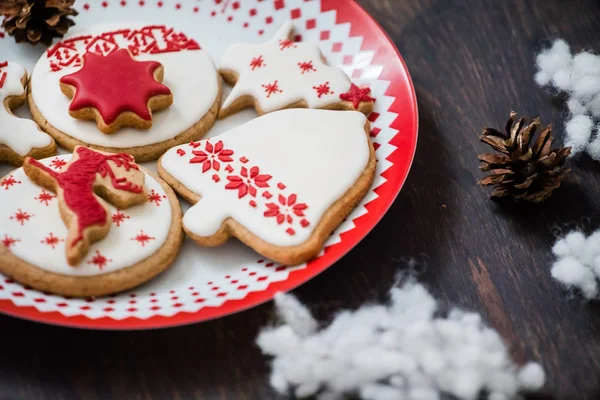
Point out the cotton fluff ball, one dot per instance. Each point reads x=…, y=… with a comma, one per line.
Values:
x=572, y=272
x=532, y=376
x=579, y=131
x=399, y=351
x=579, y=77
x=576, y=107
x=551, y=60
x=578, y=262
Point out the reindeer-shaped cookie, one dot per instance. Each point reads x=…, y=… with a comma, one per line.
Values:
x=83, y=188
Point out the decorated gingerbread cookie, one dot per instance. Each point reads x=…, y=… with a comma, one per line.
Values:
x=89, y=224
x=19, y=137
x=116, y=91
x=280, y=183
x=283, y=74
x=150, y=86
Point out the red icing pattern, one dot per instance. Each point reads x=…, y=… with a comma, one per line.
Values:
x=250, y=184
x=357, y=95
x=100, y=84
x=8, y=182
x=3, y=76
x=306, y=67
x=286, y=44
x=323, y=90
x=257, y=62
x=9, y=241
x=77, y=184
x=153, y=39
x=272, y=88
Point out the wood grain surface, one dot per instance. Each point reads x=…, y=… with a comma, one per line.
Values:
x=472, y=61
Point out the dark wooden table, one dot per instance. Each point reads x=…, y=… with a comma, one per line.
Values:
x=472, y=62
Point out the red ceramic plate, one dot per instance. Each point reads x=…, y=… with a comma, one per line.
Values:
x=211, y=283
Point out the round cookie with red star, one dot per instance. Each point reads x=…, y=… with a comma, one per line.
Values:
x=88, y=224
x=125, y=88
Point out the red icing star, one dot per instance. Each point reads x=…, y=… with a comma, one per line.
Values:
x=142, y=238
x=9, y=241
x=357, y=95
x=113, y=84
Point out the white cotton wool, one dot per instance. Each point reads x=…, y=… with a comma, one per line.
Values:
x=579, y=131
x=401, y=350
x=551, y=60
x=579, y=78
x=577, y=262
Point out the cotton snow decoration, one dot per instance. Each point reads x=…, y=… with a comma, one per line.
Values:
x=579, y=77
x=578, y=262
x=400, y=351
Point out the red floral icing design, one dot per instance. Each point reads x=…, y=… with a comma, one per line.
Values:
x=251, y=185
x=245, y=183
x=58, y=163
x=45, y=197
x=8, y=182
x=99, y=260
x=99, y=84
x=21, y=217
x=257, y=62
x=119, y=217
x=211, y=156
x=286, y=208
x=272, y=88
x=52, y=240
x=323, y=90
x=152, y=39
x=143, y=238
x=155, y=198
x=306, y=67
x=357, y=95
x=286, y=44
x=8, y=241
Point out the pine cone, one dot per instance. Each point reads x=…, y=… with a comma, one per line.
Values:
x=37, y=21
x=520, y=171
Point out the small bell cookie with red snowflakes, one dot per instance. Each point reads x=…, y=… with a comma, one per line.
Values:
x=19, y=137
x=280, y=194
x=89, y=224
x=282, y=74
x=146, y=87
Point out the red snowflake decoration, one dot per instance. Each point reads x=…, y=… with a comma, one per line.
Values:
x=212, y=156
x=323, y=90
x=8, y=182
x=245, y=183
x=257, y=62
x=118, y=218
x=45, y=197
x=272, y=88
x=306, y=67
x=8, y=241
x=357, y=95
x=58, y=163
x=21, y=217
x=284, y=210
x=155, y=198
x=286, y=44
x=52, y=240
x=99, y=260
x=181, y=152
x=142, y=238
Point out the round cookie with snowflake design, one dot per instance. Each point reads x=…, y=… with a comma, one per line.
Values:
x=280, y=183
x=86, y=225
x=282, y=74
x=19, y=137
x=125, y=88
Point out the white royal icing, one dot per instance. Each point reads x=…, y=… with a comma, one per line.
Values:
x=261, y=66
x=21, y=135
x=190, y=74
x=32, y=229
x=316, y=155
